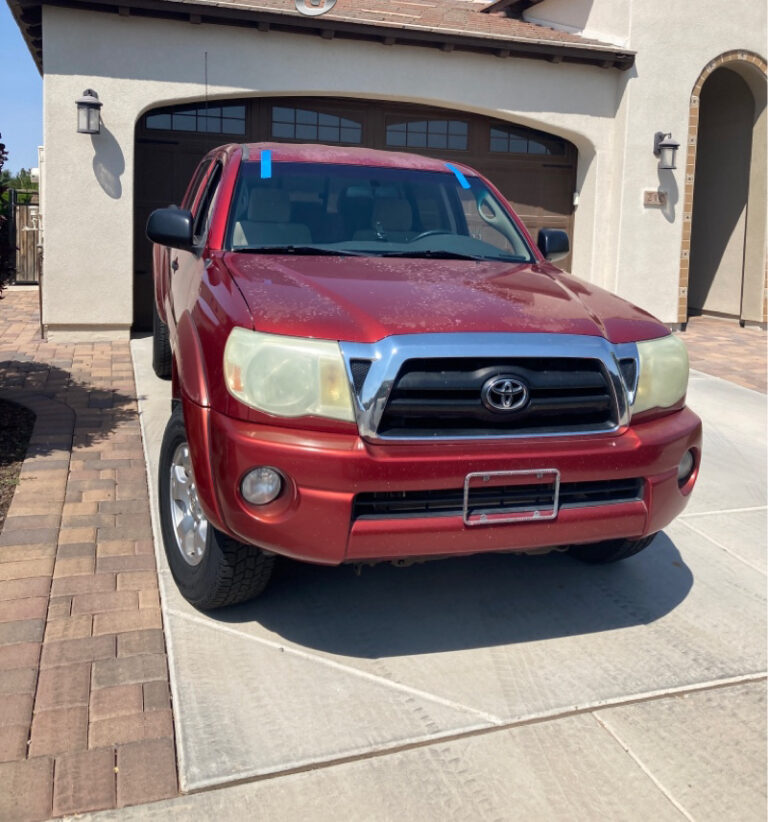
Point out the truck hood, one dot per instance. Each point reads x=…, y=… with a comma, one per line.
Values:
x=364, y=299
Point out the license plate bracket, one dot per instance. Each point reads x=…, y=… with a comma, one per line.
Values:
x=528, y=496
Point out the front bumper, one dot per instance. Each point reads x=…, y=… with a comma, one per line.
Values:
x=312, y=520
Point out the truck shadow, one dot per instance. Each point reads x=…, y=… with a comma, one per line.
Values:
x=471, y=602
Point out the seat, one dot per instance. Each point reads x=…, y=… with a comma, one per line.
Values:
x=269, y=221
x=355, y=209
x=393, y=218
x=324, y=228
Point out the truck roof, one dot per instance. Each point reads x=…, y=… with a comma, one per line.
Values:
x=345, y=155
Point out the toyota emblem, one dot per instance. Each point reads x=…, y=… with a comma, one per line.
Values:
x=504, y=394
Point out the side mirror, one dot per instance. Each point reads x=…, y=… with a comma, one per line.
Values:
x=171, y=226
x=553, y=244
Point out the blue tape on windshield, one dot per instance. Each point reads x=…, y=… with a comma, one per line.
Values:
x=459, y=176
x=266, y=165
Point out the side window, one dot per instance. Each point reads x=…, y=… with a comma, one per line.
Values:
x=487, y=221
x=197, y=179
x=205, y=206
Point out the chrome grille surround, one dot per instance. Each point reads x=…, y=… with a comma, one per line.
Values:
x=388, y=355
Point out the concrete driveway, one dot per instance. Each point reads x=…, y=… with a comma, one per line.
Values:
x=492, y=687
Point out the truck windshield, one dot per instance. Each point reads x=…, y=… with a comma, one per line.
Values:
x=370, y=211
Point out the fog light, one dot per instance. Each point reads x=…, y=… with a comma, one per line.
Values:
x=261, y=485
x=685, y=469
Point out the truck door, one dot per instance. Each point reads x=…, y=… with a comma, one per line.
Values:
x=186, y=267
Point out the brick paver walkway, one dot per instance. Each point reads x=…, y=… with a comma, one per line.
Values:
x=721, y=347
x=85, y=713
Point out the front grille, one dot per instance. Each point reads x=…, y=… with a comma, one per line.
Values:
x=502, y=499
x=442, y=398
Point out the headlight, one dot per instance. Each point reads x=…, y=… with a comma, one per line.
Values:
x=287, y=376
x=663, y=376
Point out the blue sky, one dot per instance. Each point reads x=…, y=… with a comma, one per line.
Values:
x=21, y=97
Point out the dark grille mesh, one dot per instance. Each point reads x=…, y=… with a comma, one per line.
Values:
x=359, y=369
x=511, y=498
x=442, y=397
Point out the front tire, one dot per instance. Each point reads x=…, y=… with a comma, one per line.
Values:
x=211, y=569
x=612, y=550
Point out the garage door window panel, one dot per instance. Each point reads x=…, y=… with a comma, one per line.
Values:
x=203, y=119
x=313, y=126
x=507, y=140
x=439, y=134
x=159, y=121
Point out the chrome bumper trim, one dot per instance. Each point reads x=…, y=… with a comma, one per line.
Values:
x=388, y=355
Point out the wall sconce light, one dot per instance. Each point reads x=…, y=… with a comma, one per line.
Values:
x=665, y=148
x=88, y=112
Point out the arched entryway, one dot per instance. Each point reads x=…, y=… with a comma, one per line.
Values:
x=724, y=213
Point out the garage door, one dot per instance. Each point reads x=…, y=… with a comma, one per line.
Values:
x=535, y=171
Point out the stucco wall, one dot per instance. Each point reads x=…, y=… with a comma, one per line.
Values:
x=135, y=64
x=599, y=20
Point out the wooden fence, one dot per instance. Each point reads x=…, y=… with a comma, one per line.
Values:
x=28, y=241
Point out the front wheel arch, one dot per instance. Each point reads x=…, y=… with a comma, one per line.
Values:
x=190, y=363
x=227, y=571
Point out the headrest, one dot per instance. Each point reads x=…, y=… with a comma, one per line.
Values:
x=352, y=192
x=354, y=198
x=269, y=205
x=393, y=214
x=355, y=206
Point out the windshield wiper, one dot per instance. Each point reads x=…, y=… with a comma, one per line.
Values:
x=435, y=255
x=445, y=255
x=298, y=249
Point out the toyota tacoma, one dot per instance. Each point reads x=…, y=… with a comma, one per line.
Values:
x=371, y=360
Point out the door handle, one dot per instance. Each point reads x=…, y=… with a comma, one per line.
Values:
x=175, y=264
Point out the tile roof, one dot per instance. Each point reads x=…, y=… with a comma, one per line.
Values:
x=448, y=24
x=457, y=17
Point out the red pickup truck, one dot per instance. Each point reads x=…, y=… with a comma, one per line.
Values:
x=372, y=360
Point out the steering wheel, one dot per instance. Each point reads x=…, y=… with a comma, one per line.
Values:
x=428, y=233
